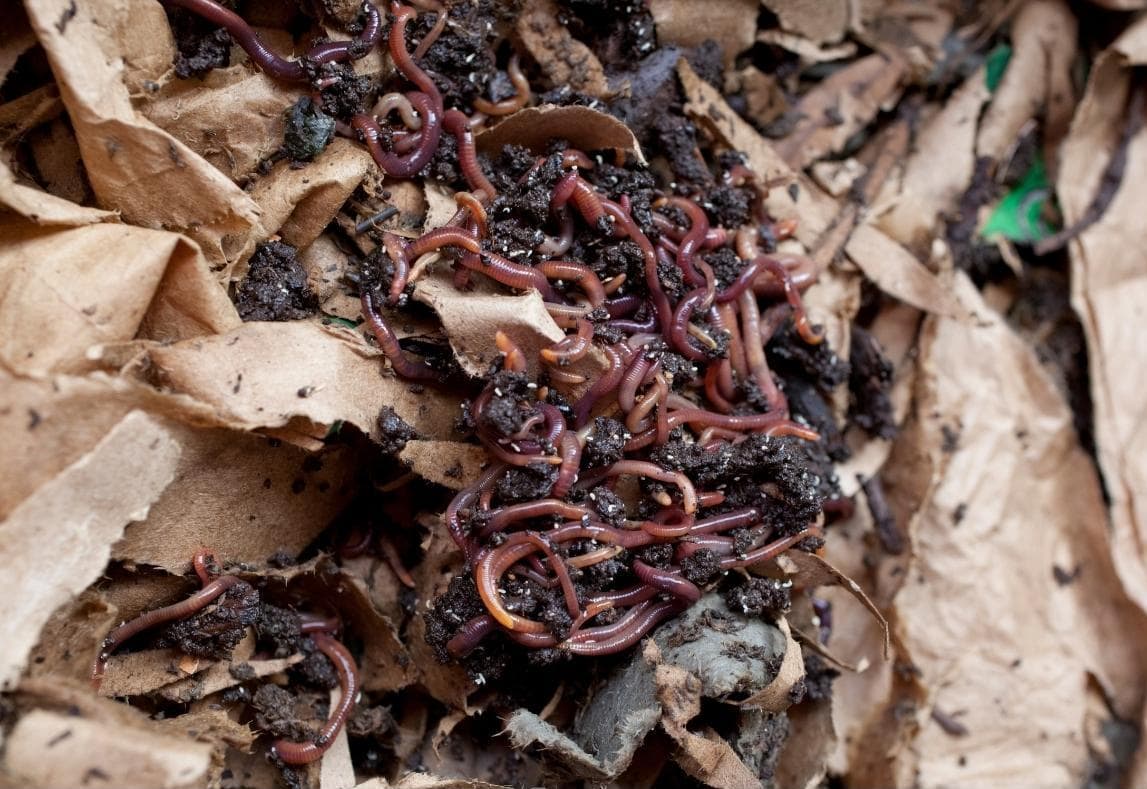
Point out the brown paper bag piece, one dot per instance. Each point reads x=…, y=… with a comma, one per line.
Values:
x=1030, y=502
x=140, y=673
x=326, y=267
x=775, y=697
x=21, y=115
x=300, y=375
x=88, y=506
x=336, y=771
x=298, y=204
x=839, y=107
x=231, y=117
x=449, y=683
x=725, y=21
x=1038, y=80
x=583, y=127
x=939, y=169
x=245, y=496
x=53, y=749
x=16, y=39
x=808, y=51
x=42, y=208
x=451, y=464
x=426, y=781
x=564, y=59
x=472, y=319
x=1108, y=287
x=212, y=726
x=64, y=294
x=710, y=759
x=220, y=676
x=133, y=166
x=893, y=268
x=804, y=756
x=809, y=571
x=823, y=21
x=47, y=426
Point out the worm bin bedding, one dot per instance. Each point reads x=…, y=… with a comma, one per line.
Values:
x=572, y=393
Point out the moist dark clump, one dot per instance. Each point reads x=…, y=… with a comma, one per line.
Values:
x=788, y=354
x=818, y=677
x=200, y=46
x=216, y=630
x=608, y=505
x=605, y=443
x=276, y=287
x=707, y=59
x=457, y=605
x=677, y=137
x=277, y=713
x=393, y=431
x=278, y=630
x=728, y=206
x=806, y=402
x=307, y=130
x=701, y=567
x=870, y=384
x=727, y=266
x=315, y=668
x=461, y=60
x=759, y=596
x=348, y=94
x=510, y=401
x=526, y=484
x=619, y=32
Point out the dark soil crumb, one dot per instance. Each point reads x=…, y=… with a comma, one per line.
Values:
x=276, y=287
x=707, y=60
x=371, y=721
x=200, y=46
x=605, y=443
x=701, y=567
x=608, y=505
x=347, y=94
x=619, y=32
x=818, y=678
x=315, y=669
x=393, y=431
x=216, y=630
x=526, y=484
x=308, y=130
x=242, y=671
x=760, y=746
x=869, y=383
x=788, y=354
x=278, y=630
x=765, y=597
x=461, y=61
x=806, y=402
x=277, y=713
x=457, y=605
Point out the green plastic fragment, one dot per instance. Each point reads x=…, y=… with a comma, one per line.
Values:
x=344, y=322
x=1019, y=215
x=995, y=64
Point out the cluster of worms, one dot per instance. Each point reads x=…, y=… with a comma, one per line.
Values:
x=320, y=629
x=643, y=366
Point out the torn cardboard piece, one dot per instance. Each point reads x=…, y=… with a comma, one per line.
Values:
x=584, y=128
x=93, y=748
x=88, y=506
x=133, y=166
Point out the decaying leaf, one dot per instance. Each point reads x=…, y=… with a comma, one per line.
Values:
x=584, y=127
x=724, y=23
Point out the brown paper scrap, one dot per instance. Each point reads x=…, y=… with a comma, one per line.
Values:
x=1038, y=80
x=245, y=496
x=584, y=127
x=823, y=21
x=939, y=169
x=300, y=375
x=472, y=319
x=232, y=117
x=298, y=203
x=1029, y=502
x=839, y=107
x=63, y=293
x=1108, y=291
x=54, y=749
x=87, y=506
x=709, y=759
x=133, y=166
x=724, y=22
x=564, y=59
x=451, y=464
x=42, y=208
